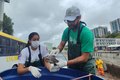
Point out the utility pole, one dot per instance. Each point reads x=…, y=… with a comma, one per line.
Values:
x=2, y=11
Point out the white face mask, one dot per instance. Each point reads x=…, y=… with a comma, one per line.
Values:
x=35, y=44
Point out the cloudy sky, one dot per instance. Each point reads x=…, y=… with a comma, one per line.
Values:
x=46, y=16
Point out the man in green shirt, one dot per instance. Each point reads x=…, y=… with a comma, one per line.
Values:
x=80, y=43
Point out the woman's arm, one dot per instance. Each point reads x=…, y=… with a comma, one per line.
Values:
x=47, y=64
x=34, y=70
x=22, y=69
x=51, y=67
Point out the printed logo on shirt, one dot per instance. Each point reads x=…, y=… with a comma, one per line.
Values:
x=73, y=40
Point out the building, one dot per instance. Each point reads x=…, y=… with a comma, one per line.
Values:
x=100, y=31
x=115, y=25
x=102, y=43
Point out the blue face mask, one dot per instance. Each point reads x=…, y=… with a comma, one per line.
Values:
x=35, y=44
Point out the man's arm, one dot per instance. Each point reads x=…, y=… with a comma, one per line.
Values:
x=59, y=48
x=83, y=58
x=61, y=45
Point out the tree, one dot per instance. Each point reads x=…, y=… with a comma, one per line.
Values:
x=113, y=35
x=0, y=25
x=7, y=25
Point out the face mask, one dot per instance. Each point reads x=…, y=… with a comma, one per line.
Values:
x=35, y=44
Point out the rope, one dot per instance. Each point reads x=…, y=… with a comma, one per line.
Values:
x=78, y=78
x=65, y=57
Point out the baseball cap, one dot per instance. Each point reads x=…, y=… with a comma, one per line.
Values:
x=72, y=13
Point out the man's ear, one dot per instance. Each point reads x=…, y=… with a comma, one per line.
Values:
x=78, y=17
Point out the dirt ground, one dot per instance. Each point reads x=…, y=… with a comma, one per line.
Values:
x=107, y=76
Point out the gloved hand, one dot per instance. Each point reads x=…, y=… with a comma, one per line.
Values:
x=54, y=68
x=55, y=52
x=51, y=59
x=62, y=63
x=35, y=71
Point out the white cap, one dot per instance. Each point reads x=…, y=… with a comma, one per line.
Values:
x=72, y=13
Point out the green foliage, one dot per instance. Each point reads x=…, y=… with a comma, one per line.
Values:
x=113, y=35
x=118, y=36
x=0, y=25
x=7, y=25
x=66, y=48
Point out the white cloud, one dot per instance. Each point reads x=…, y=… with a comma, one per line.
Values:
x=46, y=16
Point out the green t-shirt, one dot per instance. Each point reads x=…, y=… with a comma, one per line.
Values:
x=86, y=39
x=87, y=44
